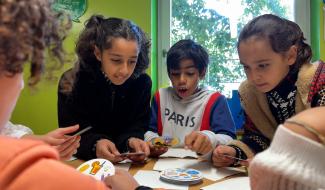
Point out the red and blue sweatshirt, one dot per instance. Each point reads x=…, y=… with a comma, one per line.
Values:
x=204, y=111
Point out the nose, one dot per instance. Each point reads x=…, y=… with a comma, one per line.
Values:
x=124, y=69
x=254, y=76
x=182, y=79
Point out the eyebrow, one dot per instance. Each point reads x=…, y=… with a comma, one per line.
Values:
x=114, y=54
x=258, y=62
x=189, y=67
x=262, y=60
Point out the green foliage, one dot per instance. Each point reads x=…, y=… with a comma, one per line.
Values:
x=192, y=20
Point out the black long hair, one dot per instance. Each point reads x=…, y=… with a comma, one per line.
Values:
x=281, y=34
x=187, y=49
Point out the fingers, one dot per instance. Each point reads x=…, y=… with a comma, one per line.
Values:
x=156, y=151
x=106, y=149
x=189, y=140
x=59, y=136
x=68, y=130
x=122, y=180
x=246, y=162
x=139, y=145
x=144, y=147
x=219, y=160
x=52, y=140
x=198, y=142
x=68, y=148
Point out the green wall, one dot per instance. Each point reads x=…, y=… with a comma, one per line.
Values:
x=322, y=31
x=317, y=29
x=37, y=108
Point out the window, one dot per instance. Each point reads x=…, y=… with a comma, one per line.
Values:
x=215, y=24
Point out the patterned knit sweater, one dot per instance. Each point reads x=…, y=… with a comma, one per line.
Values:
x=260, y=124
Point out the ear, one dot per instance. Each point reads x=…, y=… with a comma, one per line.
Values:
x=292, y=55
x=97, y=53
x=202, y=75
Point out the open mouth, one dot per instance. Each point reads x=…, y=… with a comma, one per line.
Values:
x=182, y=91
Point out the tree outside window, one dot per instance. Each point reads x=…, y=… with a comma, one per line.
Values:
x=215, y=24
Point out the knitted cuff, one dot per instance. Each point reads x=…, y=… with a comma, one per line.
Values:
x=239, y=154
x=243, y=147
x=143, y=188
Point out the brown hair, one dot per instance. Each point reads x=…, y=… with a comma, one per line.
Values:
x=281, y=34
x=27, y=28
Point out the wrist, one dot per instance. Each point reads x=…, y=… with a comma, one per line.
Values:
x=34, y=137
x=239, y=154
x=142, y=188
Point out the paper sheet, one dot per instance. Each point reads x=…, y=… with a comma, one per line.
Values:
x=72, y=158
x=179, y=153
x=241, y=183
x=151, y=179
x=208, y=170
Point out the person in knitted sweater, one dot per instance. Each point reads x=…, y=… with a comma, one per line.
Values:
x=281, y=82
x=295, y=158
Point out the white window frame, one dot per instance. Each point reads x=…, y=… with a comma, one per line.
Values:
x=301, y=17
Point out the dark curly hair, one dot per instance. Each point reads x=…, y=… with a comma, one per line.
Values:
x=27, y=28
x=187, y=49
x=100, y=32
x=281, y=34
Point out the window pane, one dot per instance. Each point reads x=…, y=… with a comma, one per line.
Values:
x=215, y=24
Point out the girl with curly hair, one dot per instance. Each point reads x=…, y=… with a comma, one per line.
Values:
x=27, y=29
x=108, y=89
x=21, y=41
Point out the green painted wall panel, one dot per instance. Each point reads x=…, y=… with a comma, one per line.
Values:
x=317, y=29
x=37, y=108
x=322, y=31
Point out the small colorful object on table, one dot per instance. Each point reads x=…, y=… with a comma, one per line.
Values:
x=165, y=141
x=181, y=176
x=98, y=168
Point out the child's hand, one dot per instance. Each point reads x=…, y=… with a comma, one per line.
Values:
x=106, y=149
x=59, y=136
x=68, y=148
x=138, y=145
x=198, y=142
x=122, y=180
x=156, y=151
x=66, y=145
x=221, y=161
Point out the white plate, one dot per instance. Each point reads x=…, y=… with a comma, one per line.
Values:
x=181, y=175
x=98, y=168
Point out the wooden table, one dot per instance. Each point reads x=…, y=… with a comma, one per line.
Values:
x=149, y=166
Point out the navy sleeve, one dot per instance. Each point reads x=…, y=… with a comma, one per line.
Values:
x=221, y=121
x=153, y=125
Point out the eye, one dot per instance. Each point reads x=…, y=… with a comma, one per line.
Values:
x=175, y=73
x=190, y=73
x=132, y=62
x=116, y=60
x=263, y=66
x=246, y=68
